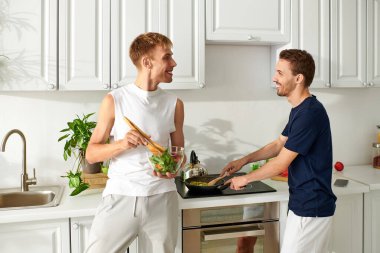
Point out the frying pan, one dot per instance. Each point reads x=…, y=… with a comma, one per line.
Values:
x=219, y=186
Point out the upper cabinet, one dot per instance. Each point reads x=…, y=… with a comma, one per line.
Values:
x=342, y=36
x=28, y=44
x=94, y=38
x=248, y=21
x=182, y=21
x=84, y=45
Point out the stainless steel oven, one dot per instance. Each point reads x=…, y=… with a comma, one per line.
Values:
x=229, y=229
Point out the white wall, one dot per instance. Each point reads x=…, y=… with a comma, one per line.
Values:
x=237, y=112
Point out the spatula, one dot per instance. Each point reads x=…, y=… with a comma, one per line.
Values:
x=215, y=180
x=153, y=146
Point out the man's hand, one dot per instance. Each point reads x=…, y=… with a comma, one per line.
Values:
x=133, y=139
x=233, y=167
x=237, y=183
x=167, y=176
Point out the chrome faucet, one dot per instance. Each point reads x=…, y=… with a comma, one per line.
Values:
x=25, y=181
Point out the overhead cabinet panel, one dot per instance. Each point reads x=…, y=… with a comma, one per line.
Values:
x=348, y=43
x=248, y=21
x=84, y=45
x=28, y=45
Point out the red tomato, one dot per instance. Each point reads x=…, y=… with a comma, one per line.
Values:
x=284, y=173
x=339, y=166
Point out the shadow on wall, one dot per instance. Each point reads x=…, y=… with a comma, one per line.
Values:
x=214, y=144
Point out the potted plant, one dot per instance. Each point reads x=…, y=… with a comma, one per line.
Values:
x=77, y=136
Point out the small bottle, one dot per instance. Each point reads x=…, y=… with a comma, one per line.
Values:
x=376, y=155
x=378, y=133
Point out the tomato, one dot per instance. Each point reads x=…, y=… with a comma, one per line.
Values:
x=339, y=166
x=284, y=173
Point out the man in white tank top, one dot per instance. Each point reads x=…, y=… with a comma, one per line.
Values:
x=137, y=201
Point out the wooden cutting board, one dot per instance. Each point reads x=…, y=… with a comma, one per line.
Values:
x=96, y=181
x=280, y=178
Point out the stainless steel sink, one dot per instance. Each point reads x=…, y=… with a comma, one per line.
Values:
x=37, y=196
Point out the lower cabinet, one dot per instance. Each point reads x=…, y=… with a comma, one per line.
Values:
x=372, y=221
x=36, y=237
x=49, y=236
x=347, y=233
x=80, y=231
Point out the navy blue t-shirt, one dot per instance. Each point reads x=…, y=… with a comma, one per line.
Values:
x=309, y=135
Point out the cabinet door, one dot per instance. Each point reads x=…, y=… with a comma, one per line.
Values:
x=347, y=234
x=84, y=45
x=28, y=39
x=80, y=231
x=35, y=237
x=348, y=43
x=372, y=221
x=314, y=35
x=181, y=21
x=250, y=21
x=373, y=43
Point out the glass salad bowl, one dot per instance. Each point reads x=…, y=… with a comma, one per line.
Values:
x=168, y=161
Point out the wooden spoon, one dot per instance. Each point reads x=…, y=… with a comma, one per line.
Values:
x=215, y=180
x=153, y=146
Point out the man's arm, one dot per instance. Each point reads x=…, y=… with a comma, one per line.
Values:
x=268, y=151
x=272, y=168
x=98, y=150
x=177, y=137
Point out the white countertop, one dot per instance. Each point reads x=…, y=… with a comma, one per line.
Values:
x=365, y=174
x=86, y=204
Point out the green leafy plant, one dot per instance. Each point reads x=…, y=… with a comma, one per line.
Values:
x=77, y=136
x=76, y=182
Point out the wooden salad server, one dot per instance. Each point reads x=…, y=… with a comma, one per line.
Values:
x=153, y=146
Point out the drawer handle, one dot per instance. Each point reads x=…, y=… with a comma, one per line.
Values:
x=231, y=233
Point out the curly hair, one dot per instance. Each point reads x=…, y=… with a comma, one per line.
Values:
x=301, y=62
x=144, y=43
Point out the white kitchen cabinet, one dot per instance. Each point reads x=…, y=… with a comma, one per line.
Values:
x=347, y=232
x=95, y=38
x=181, y=21
x=84, y=45
x=348, y=43
x=335, y=33
x=372, y=221
x=35, y=237
x=373, y=46
x=248, y=21
x=80, y=230
x=28, y=39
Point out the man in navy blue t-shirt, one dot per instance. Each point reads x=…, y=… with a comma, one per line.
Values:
x=305, y=149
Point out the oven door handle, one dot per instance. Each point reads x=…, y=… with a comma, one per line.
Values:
x=231, y=233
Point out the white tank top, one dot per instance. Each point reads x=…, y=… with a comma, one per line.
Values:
x=153, y=112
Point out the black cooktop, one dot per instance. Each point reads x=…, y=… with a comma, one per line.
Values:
x=254, y=187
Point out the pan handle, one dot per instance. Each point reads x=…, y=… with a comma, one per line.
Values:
x=223, y=186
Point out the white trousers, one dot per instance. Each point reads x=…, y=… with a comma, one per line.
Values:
x=120, y=219
x=306, y=234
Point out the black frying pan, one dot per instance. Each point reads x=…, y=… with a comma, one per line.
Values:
x=219, y=186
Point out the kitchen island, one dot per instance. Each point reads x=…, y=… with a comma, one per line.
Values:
x=69, y=229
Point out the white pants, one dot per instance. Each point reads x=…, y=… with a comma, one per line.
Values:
x=120, y=219
x=306, y=234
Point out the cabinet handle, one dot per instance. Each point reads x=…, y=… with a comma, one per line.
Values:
x=51, y=86
x=250, y=37
x=75, y=226
x=115, y=86
x=105, y=86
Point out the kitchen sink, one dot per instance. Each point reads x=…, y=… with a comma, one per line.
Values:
x=37, y=196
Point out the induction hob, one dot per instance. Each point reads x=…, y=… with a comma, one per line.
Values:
x=253, y=187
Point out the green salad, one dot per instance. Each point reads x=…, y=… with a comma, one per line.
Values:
x=165, y=162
